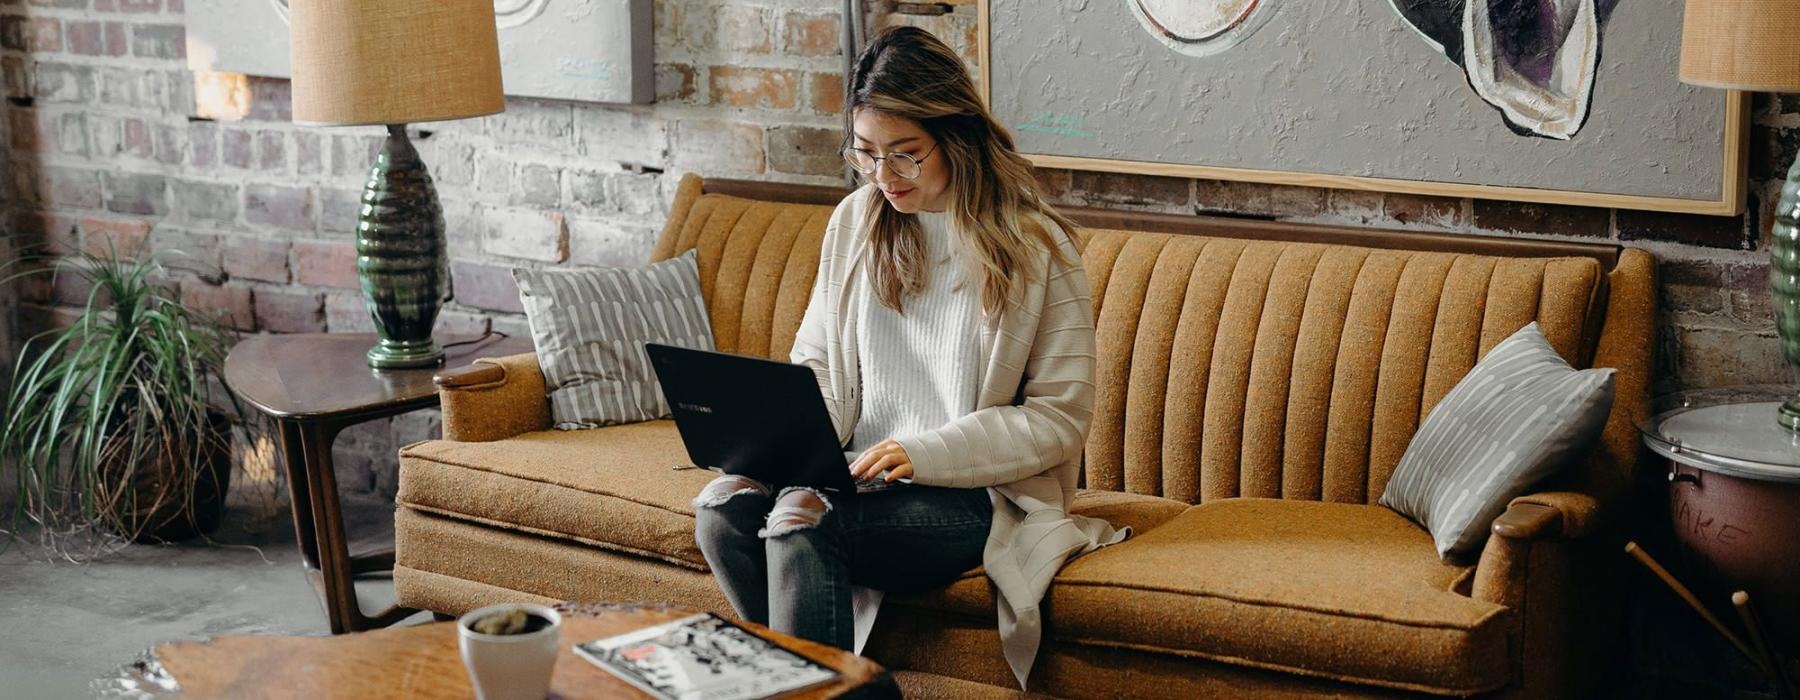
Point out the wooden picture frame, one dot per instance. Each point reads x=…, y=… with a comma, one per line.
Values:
x=1729, y=202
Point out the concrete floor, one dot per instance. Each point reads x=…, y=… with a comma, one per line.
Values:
x=67, y=624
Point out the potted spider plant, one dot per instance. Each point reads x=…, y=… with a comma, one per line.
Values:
x=110, y=428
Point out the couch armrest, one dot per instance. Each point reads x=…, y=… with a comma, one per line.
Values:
x=493, y=399
x=1549, y=517
x=1549, y=514
x=1551, y=562
x=470, y=376
x=1528, y=521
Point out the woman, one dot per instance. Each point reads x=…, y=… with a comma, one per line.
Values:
x=953, y=338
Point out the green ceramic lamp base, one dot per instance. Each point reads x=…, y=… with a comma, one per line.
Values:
x=405, y=354
x=1784, y=284
x=1789, y=414
x=400, y=259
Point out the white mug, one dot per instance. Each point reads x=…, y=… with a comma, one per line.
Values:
x=510, y=666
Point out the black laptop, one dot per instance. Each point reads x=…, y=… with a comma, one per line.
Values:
x=751, y=416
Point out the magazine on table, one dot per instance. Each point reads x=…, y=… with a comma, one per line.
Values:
x=703, y=657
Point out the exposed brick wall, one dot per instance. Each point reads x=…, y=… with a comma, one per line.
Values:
x=100, y=148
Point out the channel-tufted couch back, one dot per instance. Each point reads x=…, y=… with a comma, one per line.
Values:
x=1292, y=370
x=1232, y=367
x=757, y=264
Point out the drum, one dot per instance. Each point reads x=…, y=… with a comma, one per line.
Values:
x=1734, y=499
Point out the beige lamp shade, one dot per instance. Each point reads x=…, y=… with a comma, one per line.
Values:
x=1741, y=44
x=394, y=61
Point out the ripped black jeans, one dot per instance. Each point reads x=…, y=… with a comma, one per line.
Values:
x=788, y=560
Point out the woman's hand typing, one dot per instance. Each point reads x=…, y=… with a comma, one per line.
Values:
x=886, y=456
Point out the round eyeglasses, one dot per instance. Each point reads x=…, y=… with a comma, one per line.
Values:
x=901, y=165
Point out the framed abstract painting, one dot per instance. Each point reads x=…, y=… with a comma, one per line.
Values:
x=1549, y=101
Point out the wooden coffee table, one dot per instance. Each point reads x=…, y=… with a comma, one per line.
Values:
x=423, y=661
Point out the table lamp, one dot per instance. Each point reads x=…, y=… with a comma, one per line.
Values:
x=392, y=62
x=1746, y=45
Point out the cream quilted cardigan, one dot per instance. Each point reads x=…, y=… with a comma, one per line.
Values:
x=1024, y=440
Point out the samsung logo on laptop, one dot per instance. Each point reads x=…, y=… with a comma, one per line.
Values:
x=697, y=408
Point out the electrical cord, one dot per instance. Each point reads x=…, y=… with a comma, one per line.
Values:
x=484, y=336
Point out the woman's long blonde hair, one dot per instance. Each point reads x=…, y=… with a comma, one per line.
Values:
x=907, y=72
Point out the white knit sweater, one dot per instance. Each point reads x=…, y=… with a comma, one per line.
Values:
x=1025, y=437
x=920, y=365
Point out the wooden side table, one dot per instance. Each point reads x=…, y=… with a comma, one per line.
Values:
x=315, y=385
x=1734, y=501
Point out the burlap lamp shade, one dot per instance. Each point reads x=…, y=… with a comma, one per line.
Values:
x=394, y=61
x=1749, y=45
x=1741, y=44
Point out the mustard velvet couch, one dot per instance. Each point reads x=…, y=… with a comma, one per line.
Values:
x=1254, y=395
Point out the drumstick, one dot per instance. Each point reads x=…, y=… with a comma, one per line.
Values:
x=1741, y=600
x=1644, y=558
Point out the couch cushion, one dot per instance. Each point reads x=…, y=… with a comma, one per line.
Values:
x=1344, y=591
x=1139, y=512
x=612, y=487
x=970, y=594
x=453, y=566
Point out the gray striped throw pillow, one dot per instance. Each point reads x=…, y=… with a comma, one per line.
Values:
x=1520, y=414
x=590, y=326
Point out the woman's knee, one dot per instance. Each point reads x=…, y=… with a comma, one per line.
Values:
x=796, y=509
x=722, y=490
x=731, y=507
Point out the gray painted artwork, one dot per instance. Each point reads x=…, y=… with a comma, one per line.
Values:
x=1347, y=88
x=582, y=50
